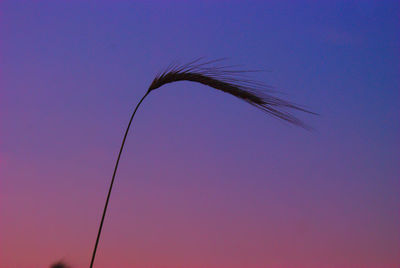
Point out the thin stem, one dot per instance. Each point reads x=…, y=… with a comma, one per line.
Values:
x=112, y=181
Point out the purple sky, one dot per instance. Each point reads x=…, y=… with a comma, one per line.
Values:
x=205, y=179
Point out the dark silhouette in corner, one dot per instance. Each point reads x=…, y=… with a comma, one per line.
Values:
x=59, y=264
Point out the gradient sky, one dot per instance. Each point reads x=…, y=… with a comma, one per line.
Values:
x=205, y=179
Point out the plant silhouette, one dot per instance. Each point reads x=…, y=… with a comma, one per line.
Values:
x=222, y=78
x=59, y=264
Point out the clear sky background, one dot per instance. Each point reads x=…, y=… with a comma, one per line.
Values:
x=205, y=179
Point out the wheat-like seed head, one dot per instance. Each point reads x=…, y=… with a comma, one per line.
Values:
x=233, y=82
x=222, y=78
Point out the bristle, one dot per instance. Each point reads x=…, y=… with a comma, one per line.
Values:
x=234, y=82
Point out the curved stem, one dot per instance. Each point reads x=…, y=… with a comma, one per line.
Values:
x=112, y=180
